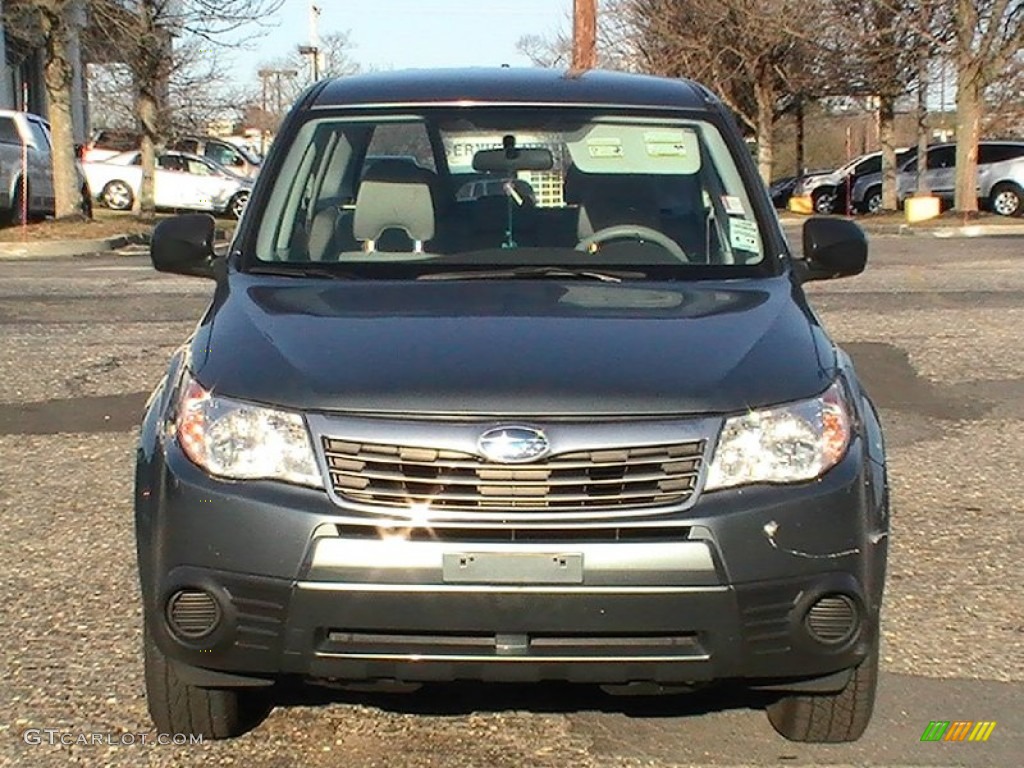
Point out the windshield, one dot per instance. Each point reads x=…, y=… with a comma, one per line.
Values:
x=501, y=187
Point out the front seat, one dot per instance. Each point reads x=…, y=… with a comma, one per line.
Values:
x=395, y=209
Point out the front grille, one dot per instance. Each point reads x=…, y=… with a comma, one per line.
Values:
x=395, y=476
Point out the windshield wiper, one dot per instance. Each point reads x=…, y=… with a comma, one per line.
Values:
x=535, y=273
x=297, y=271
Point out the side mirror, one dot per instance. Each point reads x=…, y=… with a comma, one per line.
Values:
x=184, y=245
x=832, y=248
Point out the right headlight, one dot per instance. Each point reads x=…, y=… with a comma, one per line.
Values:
x=786, y=444
x=244, y=441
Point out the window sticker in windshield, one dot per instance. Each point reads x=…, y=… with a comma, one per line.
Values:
x=733, y=205
x=743, y=235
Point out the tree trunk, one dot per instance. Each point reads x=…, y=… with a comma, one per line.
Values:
x=147, y=110
x=800, y=138
x=886, y=137
x=922, y=126
x=968, y=132
x=58, y=72
x=765, y=124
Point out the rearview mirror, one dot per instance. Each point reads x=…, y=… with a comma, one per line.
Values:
x=184, y=245
x=513, y=159
x=832, y=248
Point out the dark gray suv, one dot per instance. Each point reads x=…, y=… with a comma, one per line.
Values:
x=594, y=435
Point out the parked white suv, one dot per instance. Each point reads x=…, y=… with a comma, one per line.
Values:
x=26, y=163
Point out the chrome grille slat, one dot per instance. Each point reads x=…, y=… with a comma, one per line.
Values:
x=509, y=495
x=370, y=474
x=395, y=476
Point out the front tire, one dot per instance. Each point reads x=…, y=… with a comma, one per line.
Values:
x=16, y=214
x=214, y=713
x=824, y=202
x=873, y=200
x=118, y=196
x=1007, y=199
x=830, y=717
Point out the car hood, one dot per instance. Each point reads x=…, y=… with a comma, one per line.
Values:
x=504, y=347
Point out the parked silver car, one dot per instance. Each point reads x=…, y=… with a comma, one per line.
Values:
x=26, y=164
x=1000, y=178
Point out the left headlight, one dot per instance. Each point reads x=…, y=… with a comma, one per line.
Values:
x=242, y=441
x=787, y=444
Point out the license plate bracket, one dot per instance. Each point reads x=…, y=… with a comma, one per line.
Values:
x=513, y=568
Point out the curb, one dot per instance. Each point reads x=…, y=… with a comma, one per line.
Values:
x=947, y=231
x=62, y=249
x=57, y=249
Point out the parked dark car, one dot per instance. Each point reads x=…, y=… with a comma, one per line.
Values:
x=601, y=438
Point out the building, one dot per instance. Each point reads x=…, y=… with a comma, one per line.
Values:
x=22, y=82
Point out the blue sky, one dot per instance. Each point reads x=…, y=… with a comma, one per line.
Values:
x=411, y=33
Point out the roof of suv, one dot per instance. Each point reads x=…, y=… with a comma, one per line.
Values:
x=506, y=85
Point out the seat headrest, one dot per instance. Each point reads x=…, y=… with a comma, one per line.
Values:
x=395, y=194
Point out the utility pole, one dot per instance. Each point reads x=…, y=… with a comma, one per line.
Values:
x=584, y=35
x=313, y=49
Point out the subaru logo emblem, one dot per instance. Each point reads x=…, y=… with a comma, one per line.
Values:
x=513, y=445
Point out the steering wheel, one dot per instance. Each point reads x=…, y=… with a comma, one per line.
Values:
x=637, y=232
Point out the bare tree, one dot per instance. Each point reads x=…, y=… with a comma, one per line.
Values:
x=198, y=92
x=284, y=78
x=874, y=48
x=157, y=39
x=745, y=50
x=614, y=44
x=47, y=24
x=989, y=34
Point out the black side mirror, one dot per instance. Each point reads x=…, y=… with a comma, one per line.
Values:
x=832, y=248
x=184, y=245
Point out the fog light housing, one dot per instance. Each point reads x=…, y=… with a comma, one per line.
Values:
x=192, y=613
x=832, y=619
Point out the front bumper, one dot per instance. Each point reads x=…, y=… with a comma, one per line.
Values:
x=721, y=590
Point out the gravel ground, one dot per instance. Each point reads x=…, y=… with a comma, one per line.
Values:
x=935, y=329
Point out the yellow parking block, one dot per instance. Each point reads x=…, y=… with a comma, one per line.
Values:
x=921, y=208
x=801, y=204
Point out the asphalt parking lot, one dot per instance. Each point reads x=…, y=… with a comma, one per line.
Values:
x=936, y=329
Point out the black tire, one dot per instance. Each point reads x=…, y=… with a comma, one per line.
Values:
x=1007, y=199
x=830, y=717
x=16, y=214
x=873, y=200
x=237, y=205
x=824, y=201
x=118, y=196
x=214, y=713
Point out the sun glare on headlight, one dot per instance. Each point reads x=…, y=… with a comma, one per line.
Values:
x=243, y=441
x=786, y=444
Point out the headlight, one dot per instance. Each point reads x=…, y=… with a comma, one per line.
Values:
x=787, y=444
x=242, y=441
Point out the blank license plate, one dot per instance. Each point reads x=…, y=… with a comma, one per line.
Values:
x=513, y=568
